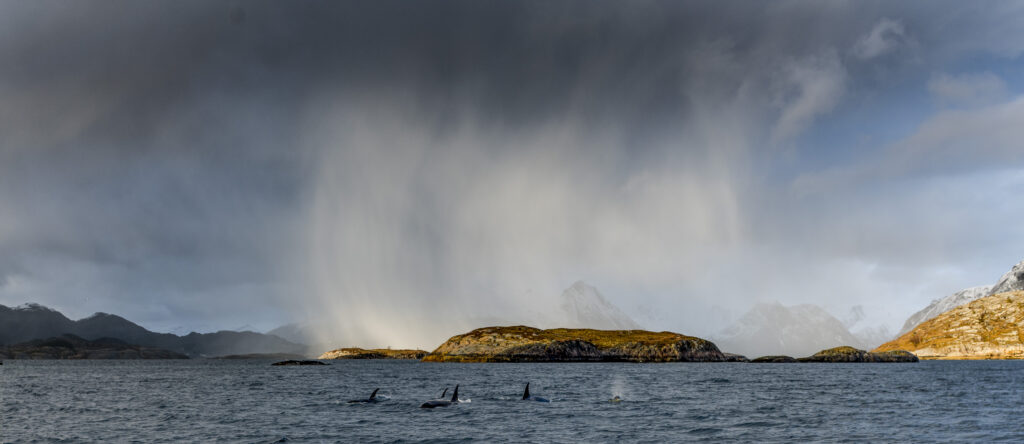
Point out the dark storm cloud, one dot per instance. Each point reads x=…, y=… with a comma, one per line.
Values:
x=161, y=156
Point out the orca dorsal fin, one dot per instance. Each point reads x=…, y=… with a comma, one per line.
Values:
x=445, y=392
x=374, y=394
x=455, y=396
x=526, y=394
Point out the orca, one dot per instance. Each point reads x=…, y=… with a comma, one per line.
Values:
x=441, y=402
x=616, y=399
x=527, y=397
x=371, y=400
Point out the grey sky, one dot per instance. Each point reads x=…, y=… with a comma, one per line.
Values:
x=205, y=165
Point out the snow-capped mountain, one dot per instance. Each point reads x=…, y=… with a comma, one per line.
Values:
x=854, y=317
x=1013, y=280
x=940, y=306
x=869, y=336
x=775, y=329
x=872, y=337
x=582, y=306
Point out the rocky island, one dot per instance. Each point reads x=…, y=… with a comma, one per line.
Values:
x=842, y=354
x=69, y=346
x=300, y=362
x=774, y=359
x=376, y=353
x=850, y=354
x=991, y=327
x=263, y=356
x=528, y=344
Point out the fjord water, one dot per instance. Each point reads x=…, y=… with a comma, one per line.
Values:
x=251, y=401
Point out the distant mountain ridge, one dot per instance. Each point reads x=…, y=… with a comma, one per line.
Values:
x=582, y=306
x=33, y=321
x=579, y=306
x=776, y=329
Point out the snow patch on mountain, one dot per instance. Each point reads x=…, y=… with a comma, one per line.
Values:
x=940, y=306
x=854, y=316
x=869, y=335
x=1013, y=280
x=582, y=306
x=34, y=307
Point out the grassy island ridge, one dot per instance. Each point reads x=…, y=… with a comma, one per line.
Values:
x=528, y=344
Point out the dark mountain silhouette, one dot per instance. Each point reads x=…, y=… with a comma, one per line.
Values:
x=33, y=321
x=73, y=347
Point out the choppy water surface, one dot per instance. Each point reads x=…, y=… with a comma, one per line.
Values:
x=251, y=401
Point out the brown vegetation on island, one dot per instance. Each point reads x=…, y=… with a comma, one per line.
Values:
x=988, y=328
x=528, y=344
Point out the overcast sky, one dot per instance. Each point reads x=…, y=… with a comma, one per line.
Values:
x=206, y=165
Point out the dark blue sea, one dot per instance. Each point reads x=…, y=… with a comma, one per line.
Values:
x=251, y=401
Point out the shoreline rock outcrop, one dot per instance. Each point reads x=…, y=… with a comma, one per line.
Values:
x=528, y=344
x=375, y=353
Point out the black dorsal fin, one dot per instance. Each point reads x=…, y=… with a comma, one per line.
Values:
x=526, y=394
x=374, y=394
x=455, y=396
x=445, y=392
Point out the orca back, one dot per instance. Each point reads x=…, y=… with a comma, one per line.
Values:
x=526, y=394
x=373, y=396
x=455, y=396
